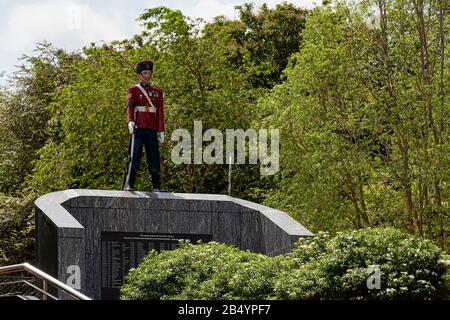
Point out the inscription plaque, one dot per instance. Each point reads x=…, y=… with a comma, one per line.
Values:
x=121, y=251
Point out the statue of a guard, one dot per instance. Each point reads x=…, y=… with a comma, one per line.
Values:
x=145, y=108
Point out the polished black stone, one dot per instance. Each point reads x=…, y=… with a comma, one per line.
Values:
x=70, y=225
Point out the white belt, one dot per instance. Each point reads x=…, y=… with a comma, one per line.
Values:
x=145, y=109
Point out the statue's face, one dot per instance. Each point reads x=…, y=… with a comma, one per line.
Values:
x=145, y=76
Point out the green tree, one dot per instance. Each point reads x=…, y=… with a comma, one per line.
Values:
x=366, y=119
x=262, y=41
x=25, y=112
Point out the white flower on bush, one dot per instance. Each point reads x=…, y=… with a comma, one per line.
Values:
x=390, y=290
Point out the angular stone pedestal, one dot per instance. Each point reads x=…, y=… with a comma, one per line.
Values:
x=96, y=234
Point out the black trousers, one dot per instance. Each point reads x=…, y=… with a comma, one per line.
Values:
x=146, y=138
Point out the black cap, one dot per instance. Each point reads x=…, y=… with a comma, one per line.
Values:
x=144, y=65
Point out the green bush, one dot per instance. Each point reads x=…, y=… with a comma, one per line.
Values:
x=409, y=267
x=246, y=276
x=318, y=268
x=202, y=271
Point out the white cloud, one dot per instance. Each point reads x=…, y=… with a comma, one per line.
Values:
x=63, y=23
x=209, y=9
x=71, y=24
x=308, y=4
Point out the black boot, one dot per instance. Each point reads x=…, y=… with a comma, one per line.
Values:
x=156, y=182
x=129, y=183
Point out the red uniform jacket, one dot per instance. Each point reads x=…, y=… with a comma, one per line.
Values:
x=144, y=120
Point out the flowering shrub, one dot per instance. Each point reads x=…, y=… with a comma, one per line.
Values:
x=349, y=265
x=373, y=263
x=202, y=271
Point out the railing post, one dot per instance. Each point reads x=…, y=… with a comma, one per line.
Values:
x=45, y=288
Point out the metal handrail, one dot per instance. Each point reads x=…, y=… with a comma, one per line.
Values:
x=45, y=294
x=45, y=277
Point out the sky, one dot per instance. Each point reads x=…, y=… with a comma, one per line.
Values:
x=72, y=24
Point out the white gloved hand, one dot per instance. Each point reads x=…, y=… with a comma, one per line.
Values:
x=161, y=137
x=131, y=126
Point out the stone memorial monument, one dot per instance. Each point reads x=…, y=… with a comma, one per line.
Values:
x=89, y=239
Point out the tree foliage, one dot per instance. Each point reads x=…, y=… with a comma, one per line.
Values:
x=366, y=108
x=359, y=92
x=65, y=120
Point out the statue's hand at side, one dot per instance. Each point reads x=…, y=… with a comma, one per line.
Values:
x=131, y=126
